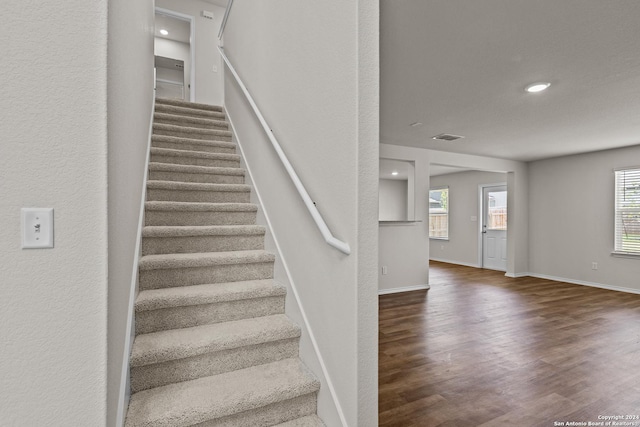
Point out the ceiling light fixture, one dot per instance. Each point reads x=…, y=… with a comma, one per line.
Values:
x=394, y=173
x=537, y=87
x=164, y=32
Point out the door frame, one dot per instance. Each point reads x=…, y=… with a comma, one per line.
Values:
x=481, y=188
x=192, y=44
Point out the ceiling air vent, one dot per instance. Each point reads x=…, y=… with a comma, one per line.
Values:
x=180, y=66
x=447, y=137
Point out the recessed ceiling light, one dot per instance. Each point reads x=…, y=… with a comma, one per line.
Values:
x=537, y=87
x=164, y=32
x=394, y=173
x=414, y=124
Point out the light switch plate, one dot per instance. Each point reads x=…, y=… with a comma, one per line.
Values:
x=37, y=228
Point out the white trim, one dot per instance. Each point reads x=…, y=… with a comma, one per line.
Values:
x=125, y=389
x=630, y=255
x=192, y=44
x=303, y=313
x=584, y=283
x=516, y=275
x=448, y=261
x=302, y=191
x=403, y=289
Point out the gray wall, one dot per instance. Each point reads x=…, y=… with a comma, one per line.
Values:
x=53, y=308
x=393, y=200
x=130, y=99
x=462, y=246
x=326, y=119
x=571, y=219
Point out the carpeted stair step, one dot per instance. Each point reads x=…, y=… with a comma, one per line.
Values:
x=191, y=132
x=168, y=270
x=193, y=173
x=197, y=192
x=177, y=355
x=308, y=421
x=188, y=121
x=188, y=111
x=177, y=143
x=212, y=238
x=187, y=306
x=195, y=158
x=187, y=104
x=261, y=395
x=186, y=213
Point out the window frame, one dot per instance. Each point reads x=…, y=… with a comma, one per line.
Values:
x=618, y=232
x=448, y=212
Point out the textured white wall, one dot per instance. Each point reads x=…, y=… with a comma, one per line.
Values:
x=571, y=219
x=209, y=85
x=130, y=98
x=53, y=308
x=393, y=199
x=462, y=246
x=326, y=120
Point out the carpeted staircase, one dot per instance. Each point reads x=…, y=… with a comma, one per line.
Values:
x=213, y=346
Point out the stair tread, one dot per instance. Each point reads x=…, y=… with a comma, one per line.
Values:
x=203, y=259
x=201, y=230
x=197, y=186
x=191, y=153
x=189, y=129
x=182, y=140
x=189, y=119
x=181, y=296
x=184, y=110
x=199, y=206
x=173, y=344
x=203, y=399
x=212, y=170
x=195, y=105
x=308, y=421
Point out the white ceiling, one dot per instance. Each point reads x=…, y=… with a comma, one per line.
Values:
x=460, y=66
x=387, y=166
x=179, y=30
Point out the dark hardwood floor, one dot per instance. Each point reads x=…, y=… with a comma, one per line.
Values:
x=481, y=349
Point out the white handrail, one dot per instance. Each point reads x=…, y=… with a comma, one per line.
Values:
x=224, y=19
x=315, y=214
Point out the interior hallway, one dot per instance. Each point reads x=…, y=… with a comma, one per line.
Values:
x=480, y=348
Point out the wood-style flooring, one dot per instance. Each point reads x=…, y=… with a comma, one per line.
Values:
x=482, y=349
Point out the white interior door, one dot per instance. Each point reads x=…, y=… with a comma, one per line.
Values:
x=494, y=227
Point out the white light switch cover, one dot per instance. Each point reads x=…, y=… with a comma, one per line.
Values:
x=37, y=228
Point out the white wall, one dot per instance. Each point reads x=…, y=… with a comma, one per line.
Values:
x=130, y=98
x=326, y=120
x=462, y=246
x=208, y=85
x=53, y=308
x=393, y=199
x=571, y=219
x=176, y=50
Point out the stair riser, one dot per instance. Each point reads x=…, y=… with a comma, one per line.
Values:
x=193, y=122
x=198, y=196
x=192, y=147
x=190, y=112
x=269, y=415
x=206, y=314
x=198, y=218
x=159, y=374
x=208, y=178
x=192, y=244
x=186, y=104
x=212, y=136
x=195, y=161
x=156, y=279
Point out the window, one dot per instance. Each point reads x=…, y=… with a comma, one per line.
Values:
x=627, y=212
x=439, y=213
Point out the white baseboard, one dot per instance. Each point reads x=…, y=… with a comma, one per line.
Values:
x=516, y=275
x=403, y=289
x=448, y=261
x=585, y=283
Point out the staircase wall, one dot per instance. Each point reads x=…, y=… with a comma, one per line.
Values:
x=53, y=308
x=304, y=74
